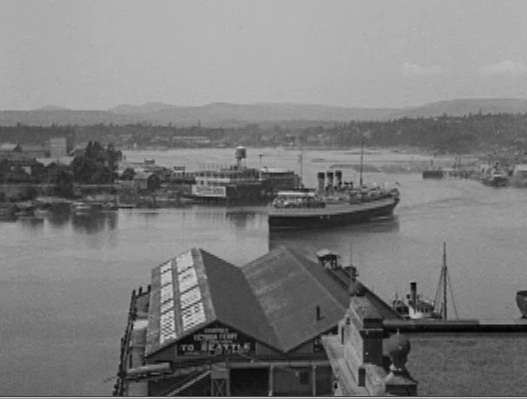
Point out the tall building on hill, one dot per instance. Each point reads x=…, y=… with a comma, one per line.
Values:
x=57, y=147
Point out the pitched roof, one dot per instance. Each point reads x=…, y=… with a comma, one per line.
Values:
x=272, y=299
x=234, y=301
x=179, y=300
x=195, y=289
x=142, y=175
x=289, y=287
x=8, y=147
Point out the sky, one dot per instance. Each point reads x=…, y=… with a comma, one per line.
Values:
x=90, y=54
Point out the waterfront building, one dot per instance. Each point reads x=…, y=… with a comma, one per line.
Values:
x=146, y=181
x=57, y=147
x=283, y=325
x=207, y=327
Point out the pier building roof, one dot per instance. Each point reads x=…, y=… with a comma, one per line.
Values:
x=290, y=289
x=196, y=289
x=274, y=299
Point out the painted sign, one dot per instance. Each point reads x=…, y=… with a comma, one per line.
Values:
x=215, y=341
x=209, y=191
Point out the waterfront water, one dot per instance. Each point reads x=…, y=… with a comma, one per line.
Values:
x=65, y=281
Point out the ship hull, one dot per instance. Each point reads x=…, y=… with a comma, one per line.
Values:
x=331, y=215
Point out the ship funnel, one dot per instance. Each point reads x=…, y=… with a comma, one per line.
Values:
x=413, y=292
x=329, y=176
x=321, y=178
x=338, y=177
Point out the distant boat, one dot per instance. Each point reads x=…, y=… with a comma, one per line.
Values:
x=42, y=209
x=521, y=301
x=239, y=184
x=494, y=176
x=26, y=208
x=81, y=208
x=433, y=174
x=418, y=307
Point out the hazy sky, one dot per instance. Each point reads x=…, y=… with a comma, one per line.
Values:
x=97, y=54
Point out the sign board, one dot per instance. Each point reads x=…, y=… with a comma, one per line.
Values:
x=215, y=341
x=209, y=191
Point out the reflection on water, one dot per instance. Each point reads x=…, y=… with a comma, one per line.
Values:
x=241, y=219
x=32, y=223
x=91, y=223
x=336, y=239
x=60, y=216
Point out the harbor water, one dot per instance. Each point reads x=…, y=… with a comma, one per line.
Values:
x=65, y=280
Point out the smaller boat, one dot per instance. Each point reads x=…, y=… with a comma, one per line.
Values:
x=418, y=307
x=521, y=301
x=42, y=209
x=81, y=208
x=495, y=177
x=433, y=174
x=25, y=208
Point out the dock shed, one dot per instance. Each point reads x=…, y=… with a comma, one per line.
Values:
x=252, y=330
x=146, y=181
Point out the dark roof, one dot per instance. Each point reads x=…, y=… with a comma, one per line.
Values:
x=289, y=287
x=220, y=292
x=234, y=302
x=272, y=299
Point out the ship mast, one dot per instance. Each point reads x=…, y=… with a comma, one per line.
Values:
x=444, y=276
x=361, y=159
x=441, y=303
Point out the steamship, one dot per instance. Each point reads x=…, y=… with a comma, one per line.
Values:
x=331, y=204
x=239, y=184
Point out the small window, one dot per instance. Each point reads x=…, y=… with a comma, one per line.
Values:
x=304, y=377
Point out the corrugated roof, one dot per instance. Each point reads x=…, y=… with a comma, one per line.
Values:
x=180, y=300
x=234, y=301
x=273, y=299
x=201, y=289
x=289, y=287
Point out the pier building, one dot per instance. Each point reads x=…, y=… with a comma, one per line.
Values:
x=285, y=325
x=207, y=327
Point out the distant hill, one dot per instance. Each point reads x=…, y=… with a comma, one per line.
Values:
x=227, y=114
x=460, y=107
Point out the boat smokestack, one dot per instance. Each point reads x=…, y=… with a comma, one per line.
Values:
x=329, y=176
x=338, y=177
x=413, y=292
x=321, y=179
